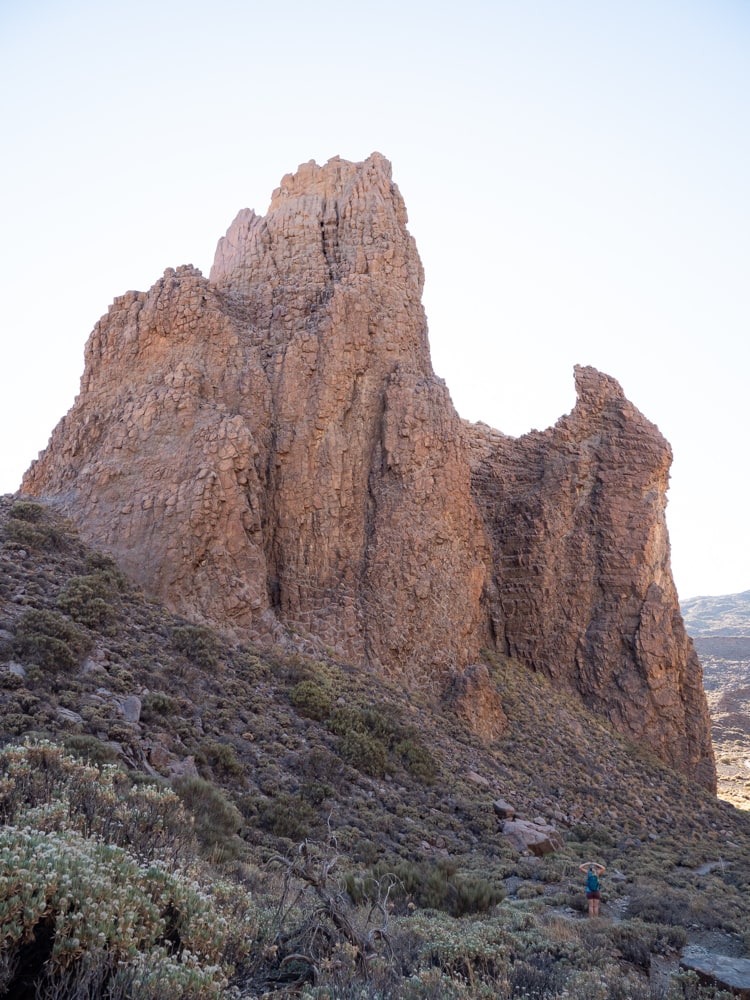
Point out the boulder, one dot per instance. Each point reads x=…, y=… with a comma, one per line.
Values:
x=536, y=838
x=130, y=708
x=724, y=971
x=66, y=715
x=503, y=809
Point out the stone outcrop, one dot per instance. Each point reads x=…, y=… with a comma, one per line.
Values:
x=532, y=836
x=269, y=450
x=726, y=972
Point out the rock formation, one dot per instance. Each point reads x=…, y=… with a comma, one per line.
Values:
x=269, y=450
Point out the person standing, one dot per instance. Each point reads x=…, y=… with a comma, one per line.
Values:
x=593, y=888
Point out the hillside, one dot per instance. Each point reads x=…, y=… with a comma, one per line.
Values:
x=267, y=749
x=720, y=628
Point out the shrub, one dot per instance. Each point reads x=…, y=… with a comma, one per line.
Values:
x=105, y=566
x=29, y=527
x=90, y=749
x=286, y=816
x=364, y=752
x=222, y=758
x=674, y=907
x=50, y=640
x=197, y=643
x=374, y=741
x=88, y=600
x=27, y=510
x=48, y=788
x=541, y=975
x=310, y=700
x=435, y=886
x=97, y=918
x=217, y=820
x=417, y=760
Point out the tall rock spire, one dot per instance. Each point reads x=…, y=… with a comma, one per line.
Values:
x=269, y=450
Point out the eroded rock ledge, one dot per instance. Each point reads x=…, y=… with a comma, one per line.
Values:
x=269, y=450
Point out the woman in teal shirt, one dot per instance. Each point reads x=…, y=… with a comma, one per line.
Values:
x=593, y=870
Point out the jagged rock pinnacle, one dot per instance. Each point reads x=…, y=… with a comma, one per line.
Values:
x=269, y=450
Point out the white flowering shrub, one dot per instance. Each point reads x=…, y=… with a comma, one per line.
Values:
x=44, y=787
x=92, y=902
x=86, y=902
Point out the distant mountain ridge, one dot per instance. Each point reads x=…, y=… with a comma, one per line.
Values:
x=726, y=615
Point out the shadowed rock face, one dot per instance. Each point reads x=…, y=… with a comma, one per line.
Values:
x=269, y=450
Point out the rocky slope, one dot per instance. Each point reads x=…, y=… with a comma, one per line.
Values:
x=270, y=451
x=286, y=747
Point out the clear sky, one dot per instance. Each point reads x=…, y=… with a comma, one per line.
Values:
x=577, y=177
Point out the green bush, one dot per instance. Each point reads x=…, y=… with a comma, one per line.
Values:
x=88, y=600
x=29, y=527
x=417, y=760
x=50, y=640
x=286, y=816
x=217, y=820
x=156, y=704
x=435, y=886
x=222, y=758
x=310, y=700
x=42, y=784
x=364, y=752
x=83, y=917
x=105, y=566
x=27, y=510
x=90, y=749
x=197, y=643
x=375, y=742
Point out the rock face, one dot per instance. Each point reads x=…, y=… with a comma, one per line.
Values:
x=269, y=450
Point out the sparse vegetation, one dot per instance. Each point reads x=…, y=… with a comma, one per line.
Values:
x=305, y=760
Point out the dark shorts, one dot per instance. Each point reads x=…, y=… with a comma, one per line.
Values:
x=593, y=895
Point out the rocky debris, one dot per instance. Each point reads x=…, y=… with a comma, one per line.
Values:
x=270, y=451
x=726, y=972
x=503, y=809
x=535, y=836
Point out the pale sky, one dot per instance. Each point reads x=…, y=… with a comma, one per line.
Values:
x=577, y=177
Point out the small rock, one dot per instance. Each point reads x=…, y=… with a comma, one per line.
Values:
x=183, y=768
x=503, y=809
x=17, y=669
x=130, y=708
x=66, y=715
x=477, y=779
x=158, y=757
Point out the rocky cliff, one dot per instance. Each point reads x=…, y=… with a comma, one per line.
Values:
x=270, y=450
